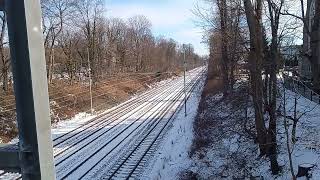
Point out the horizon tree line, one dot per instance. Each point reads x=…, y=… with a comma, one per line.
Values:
x=246, y=36
x=78, y=35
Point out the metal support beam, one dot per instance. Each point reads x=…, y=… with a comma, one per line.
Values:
x=31, y=91
x=2, y=5
x=9, y=155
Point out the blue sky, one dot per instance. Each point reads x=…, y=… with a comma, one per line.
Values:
x=170, y=18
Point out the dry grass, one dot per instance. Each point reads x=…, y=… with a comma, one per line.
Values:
x=220, y=136
x=212, y=87
x=66, y=99
x=202, y=126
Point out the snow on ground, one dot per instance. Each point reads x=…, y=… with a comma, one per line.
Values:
x=99, y=139
x=232, y=154
x=81, y=118
x=63, y=127
x=110, y=143
x=306, y=149
x=220, y=149
x=224, y=150
x=173, y=156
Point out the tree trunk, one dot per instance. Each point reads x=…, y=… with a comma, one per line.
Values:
x=306, y=35
x=224, y=50
x=315, y=47
x=51, y=64
x=5, y=79
x=266, y=88
x=257, y=94
x=5, y=62
x=295, y=122
x=255, y=60
x=272, y=131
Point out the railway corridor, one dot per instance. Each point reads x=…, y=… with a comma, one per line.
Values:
x=117, y=144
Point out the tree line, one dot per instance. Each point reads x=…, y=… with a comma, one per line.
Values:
x=79, y=39
x=246, y=36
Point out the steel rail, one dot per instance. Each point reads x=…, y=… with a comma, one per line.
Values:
x=96, y=151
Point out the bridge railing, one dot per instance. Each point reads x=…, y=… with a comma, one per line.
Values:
x=301, y=88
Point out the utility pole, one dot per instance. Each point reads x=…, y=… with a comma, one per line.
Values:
x=51, y=65
x=90, y=82
x=184, y=81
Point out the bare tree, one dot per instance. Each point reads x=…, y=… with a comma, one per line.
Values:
x=274, y=9
x=227, y=28
x=4, y=53
x=310, y=16
x=222, y=6
x=139, y=31
x=315, y=47
x=116, y=36
x=254, y=15
x=89, y=14
x=68, y=42
x=55, y=15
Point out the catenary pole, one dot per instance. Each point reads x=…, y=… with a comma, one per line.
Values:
x=184, y=82
x=90, y=82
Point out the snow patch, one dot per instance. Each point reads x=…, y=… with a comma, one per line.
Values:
x=173, y=155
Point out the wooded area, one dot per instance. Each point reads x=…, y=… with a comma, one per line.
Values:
x=246, y=37
x=93, y=61
x=80, y=39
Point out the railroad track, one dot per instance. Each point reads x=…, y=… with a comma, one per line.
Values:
x=123, y=137
x=110, y=130
x=128, y=166
x=104, y=161
x=114, y=119
x=77, y=162
x=111, y=113
x=126, y=106
x=98, y=127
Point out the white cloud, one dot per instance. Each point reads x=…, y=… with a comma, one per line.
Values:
x=160, y=17
x=172, y=19
x=193, y=36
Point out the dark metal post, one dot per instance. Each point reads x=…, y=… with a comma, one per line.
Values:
x=90, y=82
x=31, y=89
x=184, y=81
